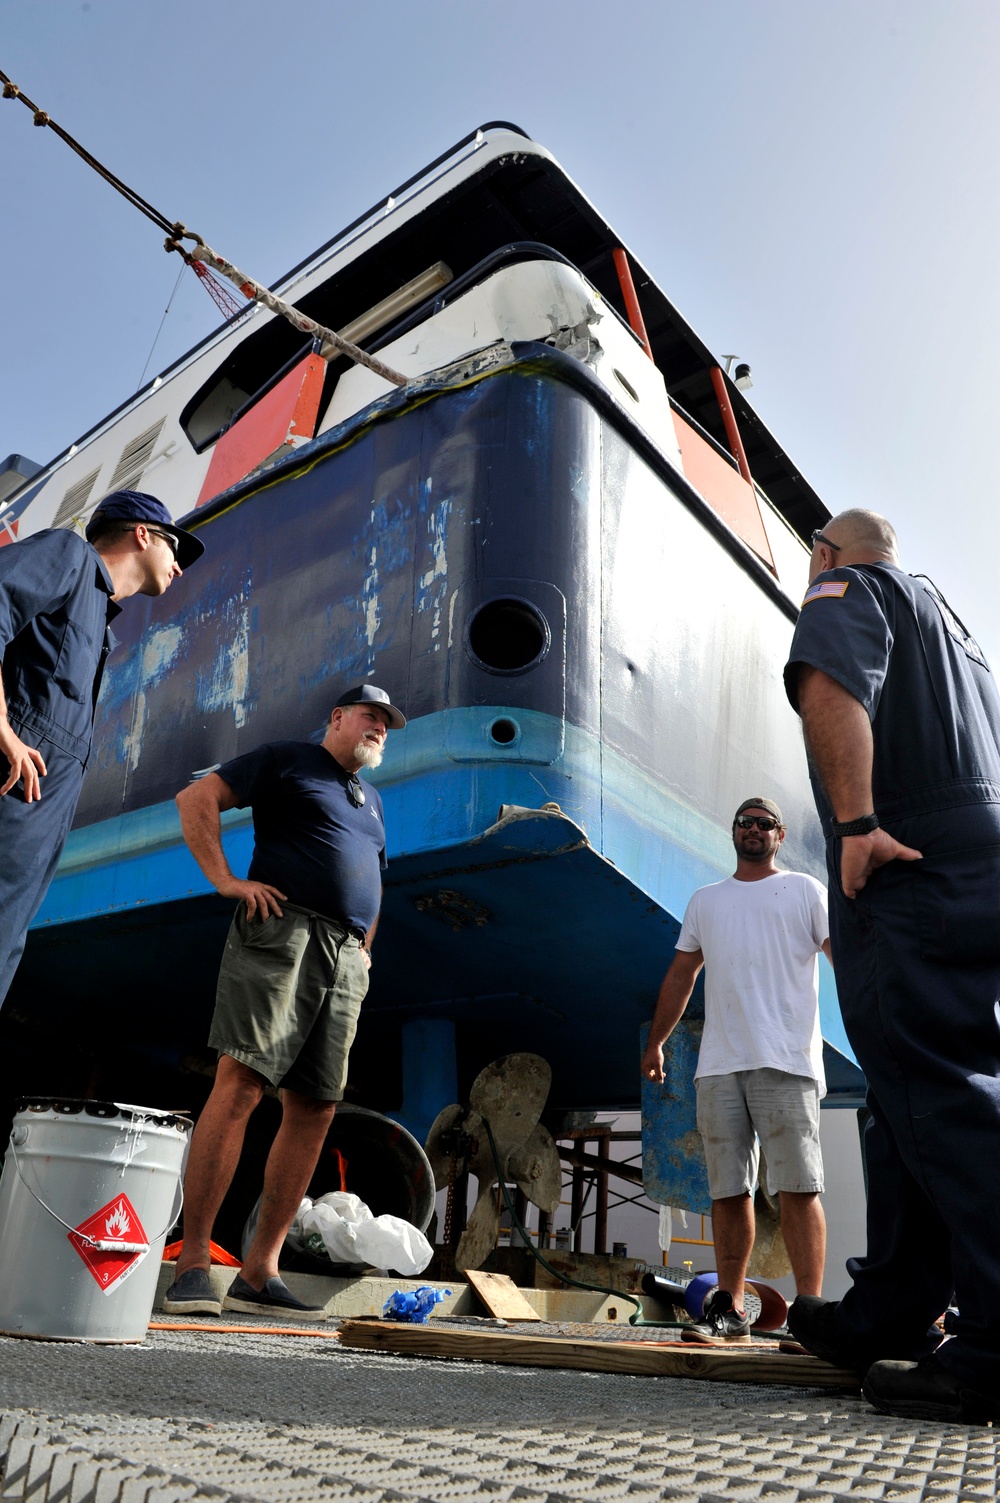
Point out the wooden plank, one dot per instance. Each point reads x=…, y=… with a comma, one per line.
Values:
x=501, y=1296
x=712, y=1364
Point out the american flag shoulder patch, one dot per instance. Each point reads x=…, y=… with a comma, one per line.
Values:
x=836, y=588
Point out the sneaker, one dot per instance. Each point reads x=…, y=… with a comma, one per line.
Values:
x=723, y=1324
x=927, y=1390
x=274, y=1299
x=813, y=1322
x=191, y=1293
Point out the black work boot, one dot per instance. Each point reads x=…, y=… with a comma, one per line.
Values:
x=814, y=1324
x=926, y=1390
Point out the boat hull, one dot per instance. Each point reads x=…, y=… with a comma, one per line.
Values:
x=406, y=547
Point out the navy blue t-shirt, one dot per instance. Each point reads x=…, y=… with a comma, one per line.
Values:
x=894, y=643
x=311, y=841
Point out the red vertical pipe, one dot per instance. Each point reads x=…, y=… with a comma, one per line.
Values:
x=729, y=418
x=631, y=301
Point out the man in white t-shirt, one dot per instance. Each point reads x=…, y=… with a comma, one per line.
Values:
x=760, y=1066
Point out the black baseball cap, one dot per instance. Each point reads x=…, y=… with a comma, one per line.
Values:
x=137, y=506
x=370, y=694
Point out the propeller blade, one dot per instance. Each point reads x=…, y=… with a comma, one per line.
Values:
x=511, y=1093
x=769, y=1258
x=480, y=1235
x=450, y=1120
x=536, y=1169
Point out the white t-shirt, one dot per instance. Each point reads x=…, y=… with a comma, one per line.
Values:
x=761, y=943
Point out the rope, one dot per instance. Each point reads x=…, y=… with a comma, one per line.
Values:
x=11, y=91
x=227, y=1330
x=331, y=342
x=156, y=336
x=176, y=231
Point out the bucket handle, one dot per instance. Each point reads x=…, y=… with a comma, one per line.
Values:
x=98, y=1244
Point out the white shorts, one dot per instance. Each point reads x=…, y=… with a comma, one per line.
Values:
x=780, y=1110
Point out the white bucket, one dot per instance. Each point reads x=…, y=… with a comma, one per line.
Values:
x=89, y=1191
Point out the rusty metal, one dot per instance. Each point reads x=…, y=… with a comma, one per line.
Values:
x=601, y=1164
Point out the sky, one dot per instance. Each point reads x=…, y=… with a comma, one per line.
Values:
x=813, y=185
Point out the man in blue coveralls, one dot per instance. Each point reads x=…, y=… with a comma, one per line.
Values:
x=902, y=725
x=293, y=977
x=59, y=594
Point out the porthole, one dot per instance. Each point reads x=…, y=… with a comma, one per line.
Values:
x=508, y=635
x=504, y=732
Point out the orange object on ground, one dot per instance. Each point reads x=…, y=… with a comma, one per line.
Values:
x=204, y=1325
x=218, y=1254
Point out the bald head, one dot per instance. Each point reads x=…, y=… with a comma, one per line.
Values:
x=861, y=537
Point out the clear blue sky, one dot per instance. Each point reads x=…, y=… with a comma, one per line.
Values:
x=813, y=185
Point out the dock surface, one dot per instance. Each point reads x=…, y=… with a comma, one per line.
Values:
x=241, y=1414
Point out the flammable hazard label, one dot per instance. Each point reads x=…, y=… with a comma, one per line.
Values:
x=115, y=1222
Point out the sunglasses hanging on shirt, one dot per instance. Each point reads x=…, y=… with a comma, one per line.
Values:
x=355, y=791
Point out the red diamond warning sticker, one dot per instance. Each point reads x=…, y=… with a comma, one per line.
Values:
x=112, y=1242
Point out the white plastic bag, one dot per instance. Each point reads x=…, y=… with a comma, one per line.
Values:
x=341, y=1227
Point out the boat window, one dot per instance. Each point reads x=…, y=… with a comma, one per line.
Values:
x=510, y=202
x=250, y=373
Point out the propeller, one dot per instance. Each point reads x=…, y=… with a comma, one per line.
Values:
x=769, y=1257
x=510, y=1095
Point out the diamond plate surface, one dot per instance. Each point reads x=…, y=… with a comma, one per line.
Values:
x=226, y=1416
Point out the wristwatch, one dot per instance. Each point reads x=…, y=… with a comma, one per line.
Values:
x=863, y=826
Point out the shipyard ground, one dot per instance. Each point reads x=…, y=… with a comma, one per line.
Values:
x=194, y=1414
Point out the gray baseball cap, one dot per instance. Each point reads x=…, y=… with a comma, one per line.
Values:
x=761, y=803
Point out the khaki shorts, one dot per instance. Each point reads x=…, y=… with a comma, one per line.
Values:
x=781, y=1110
x=289, y=994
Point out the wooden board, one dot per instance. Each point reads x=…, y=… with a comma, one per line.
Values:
x=716, y=1364
x=501, y=1296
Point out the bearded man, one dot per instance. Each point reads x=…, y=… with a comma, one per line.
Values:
x=293, y=977
x=760, y=1066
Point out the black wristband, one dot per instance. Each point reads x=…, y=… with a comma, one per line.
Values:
x=863, y=826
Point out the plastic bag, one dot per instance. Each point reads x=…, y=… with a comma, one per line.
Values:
x=413, y=1306
x=339, y=1226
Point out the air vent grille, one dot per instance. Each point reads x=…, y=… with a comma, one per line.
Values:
x=134, y=459
x=74, y=504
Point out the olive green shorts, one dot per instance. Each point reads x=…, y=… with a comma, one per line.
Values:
x=289, y=994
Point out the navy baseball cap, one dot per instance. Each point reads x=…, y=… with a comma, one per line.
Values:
x=137, y=506
x=370, y=694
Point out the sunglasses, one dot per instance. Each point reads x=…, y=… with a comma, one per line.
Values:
x=355, y=792
x=762, y=821
x=168, y=536
x=818, y=537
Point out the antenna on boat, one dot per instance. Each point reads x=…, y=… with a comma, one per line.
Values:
x=207, y=264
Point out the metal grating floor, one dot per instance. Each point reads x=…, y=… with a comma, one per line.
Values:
x=193, y=1415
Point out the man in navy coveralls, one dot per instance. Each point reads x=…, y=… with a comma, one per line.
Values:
x=293, y=977
x=59, y=594
x=902, y=725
